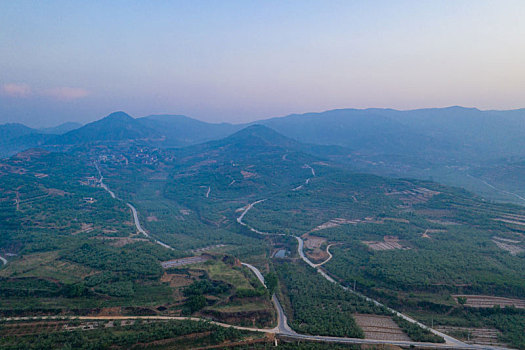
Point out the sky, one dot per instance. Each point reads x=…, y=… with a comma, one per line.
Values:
x=239, y=61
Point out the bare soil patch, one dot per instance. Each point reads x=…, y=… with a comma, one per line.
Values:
x=414, y=196
x=313, y=242
x=389, y=243
x=247, y=174
x=513, y=249
x=334, y=223
x=121, y=241
x=509, y=221
x=313, y=245
x=489, y=301
x=380, y=327
x=185, y=261
x=84, y=227
x=481, y=336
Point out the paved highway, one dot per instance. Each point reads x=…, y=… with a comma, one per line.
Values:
x=282, y=322
x=449, y=340
x=136, y=220
x=282, y=327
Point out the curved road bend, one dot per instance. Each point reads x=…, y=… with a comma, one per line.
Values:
x=133, y=211
x=330, y=256
x=3, y=260
x=282, y=325
x=282, y=322
x=102, y=184
x=448, y=339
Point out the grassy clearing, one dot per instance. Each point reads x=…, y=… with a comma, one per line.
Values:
x=46, y=265
x=239, y=307
x=219, y=271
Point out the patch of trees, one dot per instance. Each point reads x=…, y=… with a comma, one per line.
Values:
x=249, y=293
x=205, y=286
x=195, y=294
x=456, y=261
x=271, y=281
x=127, y=260
x=125, y=337
x=320, y=307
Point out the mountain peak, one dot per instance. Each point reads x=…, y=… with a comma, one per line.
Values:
x=115, y=127
x=119, y=115
x=260, y=131
x=262, y=135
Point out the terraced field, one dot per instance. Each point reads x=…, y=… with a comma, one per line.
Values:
x=380, y=327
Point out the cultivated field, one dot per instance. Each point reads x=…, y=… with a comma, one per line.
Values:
x=489, y=301
x=390, y=242
x=184, y=261
x=508, y=245
x=313, y=247
x=414, y=196
x=481, y=336
x=334, y=223
x=380, y=327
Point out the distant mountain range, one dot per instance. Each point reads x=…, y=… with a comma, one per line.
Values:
x=453, y=134
x=15, y=137
x=439, y=143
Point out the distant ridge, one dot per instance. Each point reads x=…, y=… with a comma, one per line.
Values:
x=180, y=130
x=60, y=129
x=451, y=135
x=117, y=126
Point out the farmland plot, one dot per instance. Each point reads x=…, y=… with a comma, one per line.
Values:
x=490, y=301
x=380, y=327
x=481, y=336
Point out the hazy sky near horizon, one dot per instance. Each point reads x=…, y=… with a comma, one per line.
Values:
x=244, y=60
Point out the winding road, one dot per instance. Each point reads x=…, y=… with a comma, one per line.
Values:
x=282, y=328
x=133, y=211
x=450, y=342
x=498, y=189
x=282, y=322
x=448, y=339
x=3, y=260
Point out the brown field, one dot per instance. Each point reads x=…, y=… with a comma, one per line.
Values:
x=120, y=241
x=313, y=247
x=380, y=327
x=511, y=248
x=481, y=336
x=515, y=217
x=443, y=222
x=247, y=174
x=185, y=261
x=390, y=243
x=508, y=221
x=334, y=223
x=414, y=196
x=176, y=281
x=490, y=301
x=28, y=328
x=313, y=242
x=405, y=221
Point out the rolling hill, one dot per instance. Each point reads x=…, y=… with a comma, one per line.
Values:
x=117, y=126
